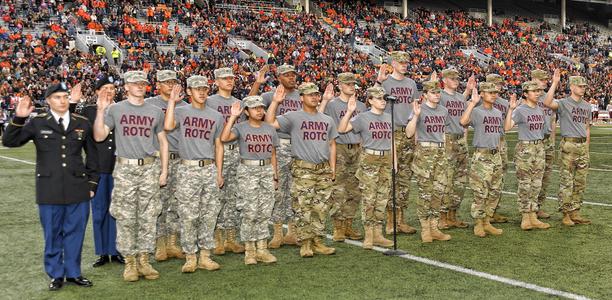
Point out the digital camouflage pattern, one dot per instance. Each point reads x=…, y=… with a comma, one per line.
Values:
x=198, y=206
x=282, y=211
x=486, y=182
x=573, y=170
x=168, y=220
x=375, y=186
x=529, y=161
x=229, y=217
x=135, y=206
x=345, y=194
x=255, y=201
x=457, y=175
x=430, y=168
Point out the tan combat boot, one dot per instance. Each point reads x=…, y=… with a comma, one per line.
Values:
x=262, y=254
x=401, y=223
x=230, y=242
x=567, y=220
x=338, y=235
x=349, y=232
x=389, y=226
x=130, y=271
x=191, y=263
x=436, y=234
x=526, y=222
x=543, y=215
x=160, y=249
x=306, y=249
x=277, y=237
x=537, y=223
x=479, y=228
x=443, y=223
x=425, y=231
x=206, y=262
x=319, y=247
x=488, y=228
x=144, y=267
x=498, y=218
x=378, y=239
x=172, y=249
x=249, y=253
x=291, y=237
x=454, y=222
x=219, y=248
x=368, y=240
x=577, y=219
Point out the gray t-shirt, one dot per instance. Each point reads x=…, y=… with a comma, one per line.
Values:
x=310, y=134
x=375, y=130
x=198, y=129
x=530, y=122
x=223, y=106
x=255, y=143
x=548, y=115
x=173, y=135
x=455, y=104
x=136, y=128
x=487, y=125
x=405, y=90
x=431, y=124
x=502, y=105
x=336, y=109
x=292, y=102
x=574, y=117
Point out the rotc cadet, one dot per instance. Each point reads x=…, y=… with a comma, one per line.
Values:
x=529, y=152
x=138, y=177
x=430, y=164
x=257, y=176
x=456, y=148
x=398, y=85
x=229, y=216
x=104, y=227
x=374, y=129
x=541, y=77
x=486, y=164
x=199, y=173
x=500, y=104
x=64, y=184
x=282, y=211
x=313, y=138
x=345, y=196
x=575, y=121
x=167, y=222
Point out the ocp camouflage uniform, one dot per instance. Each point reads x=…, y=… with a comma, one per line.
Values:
x=311, y=191
x=375, y=185
x=457, y=175
x=345, y=195
x=549, y=161
x=529, y=161
x=485, y=180
x=430, y=168
x=573, y=171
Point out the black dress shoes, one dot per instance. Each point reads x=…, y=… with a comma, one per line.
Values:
x=102, y=260
x=80, y=281
x=56, y=284
x=117, y=259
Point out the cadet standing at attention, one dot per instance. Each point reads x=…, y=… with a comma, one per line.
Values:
x=168, y=222
x=199, y=172
x=346, y=196
x=529, y=155
x=313, y=139
x=575, y=121
x=486, y=164
x=257, y=176
x=428, y=122
x=374, y=129
x=136, y=203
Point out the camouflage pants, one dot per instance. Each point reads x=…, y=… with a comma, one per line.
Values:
x=549, y=154
x=198, y=206
x=282, y=197
x=374, y=183
x=529, y=161
x=168, y=220
x=431, y=170
x=229, y=216
x=136, y=206
x=345, y=195
x=405, y=155
x=573, y=170
x=311, y=193
x=255, y=201
x=457, y=175
x=503, y=152
x=486, y=182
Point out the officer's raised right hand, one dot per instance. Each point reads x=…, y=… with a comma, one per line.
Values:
x=24, y=107
x=279, y=94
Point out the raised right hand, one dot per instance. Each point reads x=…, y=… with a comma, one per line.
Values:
x=352, y=104
x=103, y=100
x=24, y=107
x=261, y=75
x=382, y=73
x=475, y=96
x=236, y=109
x=279, y=94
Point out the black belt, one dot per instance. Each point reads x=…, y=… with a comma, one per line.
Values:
x=349, y=146
x=455, y=136
x=532, y=142
x=486, y=150
x=574, y=139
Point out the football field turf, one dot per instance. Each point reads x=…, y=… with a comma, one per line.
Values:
x=574, y=260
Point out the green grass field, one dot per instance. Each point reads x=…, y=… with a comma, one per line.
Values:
x=576, y=260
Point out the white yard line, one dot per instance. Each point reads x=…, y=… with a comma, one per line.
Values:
x=18, y=160
x=555, y=198
x=590, y=169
